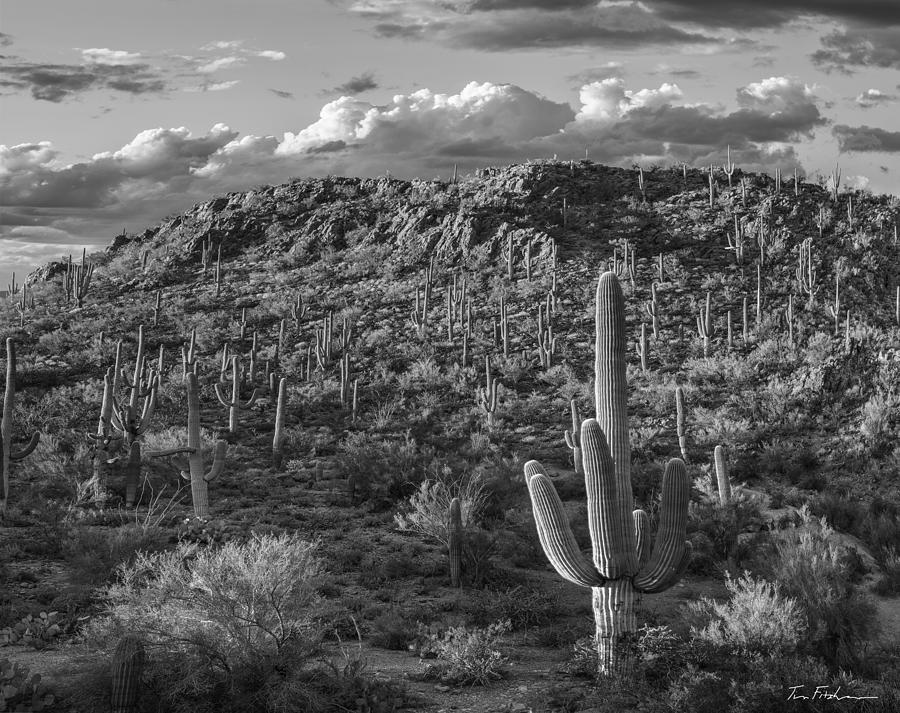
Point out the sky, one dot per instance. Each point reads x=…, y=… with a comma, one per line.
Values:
x=115, y=114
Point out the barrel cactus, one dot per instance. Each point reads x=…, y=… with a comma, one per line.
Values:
x=622, y=564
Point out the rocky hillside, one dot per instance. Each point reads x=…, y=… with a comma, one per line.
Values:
x=774, y=307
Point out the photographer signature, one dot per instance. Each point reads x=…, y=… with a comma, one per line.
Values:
x=823, y=693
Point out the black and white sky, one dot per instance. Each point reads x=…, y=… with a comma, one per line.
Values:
x=115, y=114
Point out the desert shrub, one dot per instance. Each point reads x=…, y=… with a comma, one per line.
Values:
x=814, y=569
x=220, y=623
x=889, y=582
x=393, y=629
x=383, y=470
x=466, y=655
x=96, y=553
x=522, y=607
x=756, y=619
x=428, y=509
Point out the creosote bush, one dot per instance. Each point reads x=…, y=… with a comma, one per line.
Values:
x=466, y=655
x=221, y=625
x=756, y=619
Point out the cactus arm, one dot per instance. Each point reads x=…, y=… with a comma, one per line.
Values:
x=670, y=546
x=555, y=533
x=642, y=536
x=613, y=548
x=222, y=400
x=569, y=441
x=25, y=451
x=252, y=400
x=218, y=461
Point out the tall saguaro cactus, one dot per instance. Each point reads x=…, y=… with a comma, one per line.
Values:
x=7, y=454
x=622, y=563
x=198, y=475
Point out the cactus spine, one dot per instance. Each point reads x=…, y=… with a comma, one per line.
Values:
x=126, y=668
x=455, y=535
x=616, y=574
x=7, y=454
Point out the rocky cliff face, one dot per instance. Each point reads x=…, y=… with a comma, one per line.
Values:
x=530, y=202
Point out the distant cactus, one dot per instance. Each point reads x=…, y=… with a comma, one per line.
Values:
x=127, y=666
x=7, y=454
x=198, y=476
x=679, y=422
x=234, y=404
x=278, y=438
x=619, y=569
x=573, y=438
x=130, y=419
x=722, y=480
x=455, y=535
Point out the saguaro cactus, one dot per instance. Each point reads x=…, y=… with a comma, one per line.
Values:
x=234, y=404
x=278, y=438
x=573, y=438
x=455, y=535
x=7, y=454
x=198, y=476
x=722, y=475
x=622, y=564
x=126, y=668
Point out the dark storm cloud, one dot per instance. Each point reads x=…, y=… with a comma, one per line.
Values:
x=58, y=82
x=753, y=14
x=356, y=85
x=865, y=138
x=860, y=47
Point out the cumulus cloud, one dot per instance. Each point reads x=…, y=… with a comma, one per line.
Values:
x=357, y=85
x=274, y=55
x=422, y=133
x=874, y=97
x=865, y=138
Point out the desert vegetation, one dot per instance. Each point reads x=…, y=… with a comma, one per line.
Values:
x=321, y=446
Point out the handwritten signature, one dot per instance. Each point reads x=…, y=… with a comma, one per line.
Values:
x=823, y=693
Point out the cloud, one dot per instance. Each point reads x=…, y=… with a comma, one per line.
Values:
x=596, y=74
x=281, y=93
x=129, y=72
x=97, y=55
x=422, y=133
x=874, y=97
x=58, y=82
x=499, y=25
x=358, y=84
x=865, y=138
x=5, y=40
x=847, y=48
x=222, y=45
x=758, y=14
x=220, y=63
